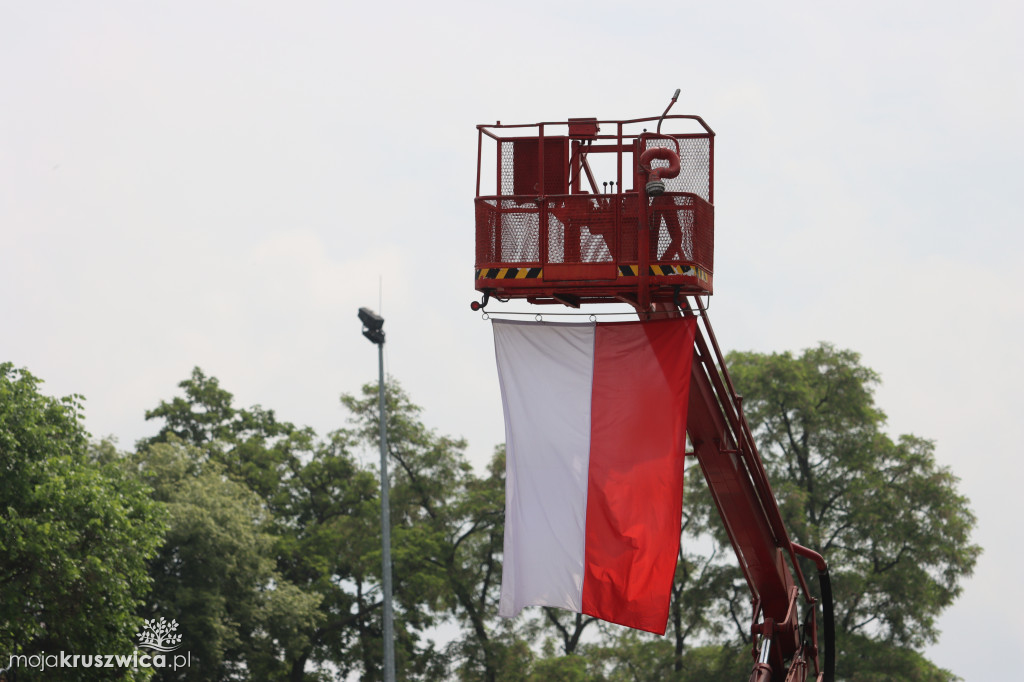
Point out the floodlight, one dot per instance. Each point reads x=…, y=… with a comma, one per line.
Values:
x=372, y=325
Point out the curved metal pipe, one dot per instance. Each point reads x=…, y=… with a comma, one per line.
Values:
x=663, y=154
x=665, y=113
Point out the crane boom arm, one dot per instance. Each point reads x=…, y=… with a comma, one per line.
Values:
x=725, y=450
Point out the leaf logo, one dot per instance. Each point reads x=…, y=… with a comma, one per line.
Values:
x=159, y=635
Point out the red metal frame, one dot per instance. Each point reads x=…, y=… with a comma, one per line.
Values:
x=569, y=242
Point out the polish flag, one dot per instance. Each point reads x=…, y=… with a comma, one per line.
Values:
x=595, y=431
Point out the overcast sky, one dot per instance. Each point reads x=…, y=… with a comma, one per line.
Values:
x=223, y=184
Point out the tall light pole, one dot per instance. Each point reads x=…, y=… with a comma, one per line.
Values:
x=373, y=329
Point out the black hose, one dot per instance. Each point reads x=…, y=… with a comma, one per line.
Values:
x=828, y=612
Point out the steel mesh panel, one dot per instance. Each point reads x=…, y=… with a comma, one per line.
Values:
x=682, y=229
x=595, y=248
x=556, y=236
x=694, y=164
x=628, y=229
x=520, y=234
x=581, y=229
x=519, y=166
x=704, y=235
x=672, y=226
x=506, y=233
x=529, y=155
x=506, y=166
x=486, y=231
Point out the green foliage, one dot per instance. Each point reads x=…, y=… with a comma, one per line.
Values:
x=868, y=660
x=446, y=527
x=630, y=656
x=561, y=669
x=717, y=663
x=206, y=416
x=636, y=657
x=271, y=562
x=570, y=627
x=215, y=573
x=319, y=514
x=302, y=518
x=76, y=534
x=888, y=519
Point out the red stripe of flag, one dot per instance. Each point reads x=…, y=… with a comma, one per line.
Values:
x=634, y=491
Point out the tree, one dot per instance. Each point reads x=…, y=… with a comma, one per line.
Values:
x=304, y=506
x=569, y=626
x=215, y=573
x=321, y=510
x=77, y=533
x=697, y=611
x=447, y=529
x=329, y=543
x=254, y=446
x=889, y=520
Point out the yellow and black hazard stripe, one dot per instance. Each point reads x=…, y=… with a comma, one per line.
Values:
x=509, y=273
x=665, y=271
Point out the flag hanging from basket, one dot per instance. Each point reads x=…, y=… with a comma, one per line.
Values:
x=595, y=430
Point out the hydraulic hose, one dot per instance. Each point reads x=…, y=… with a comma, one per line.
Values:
x=828, y=612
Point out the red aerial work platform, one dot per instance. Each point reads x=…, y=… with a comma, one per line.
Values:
x=606, y=211
x=594, y=211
